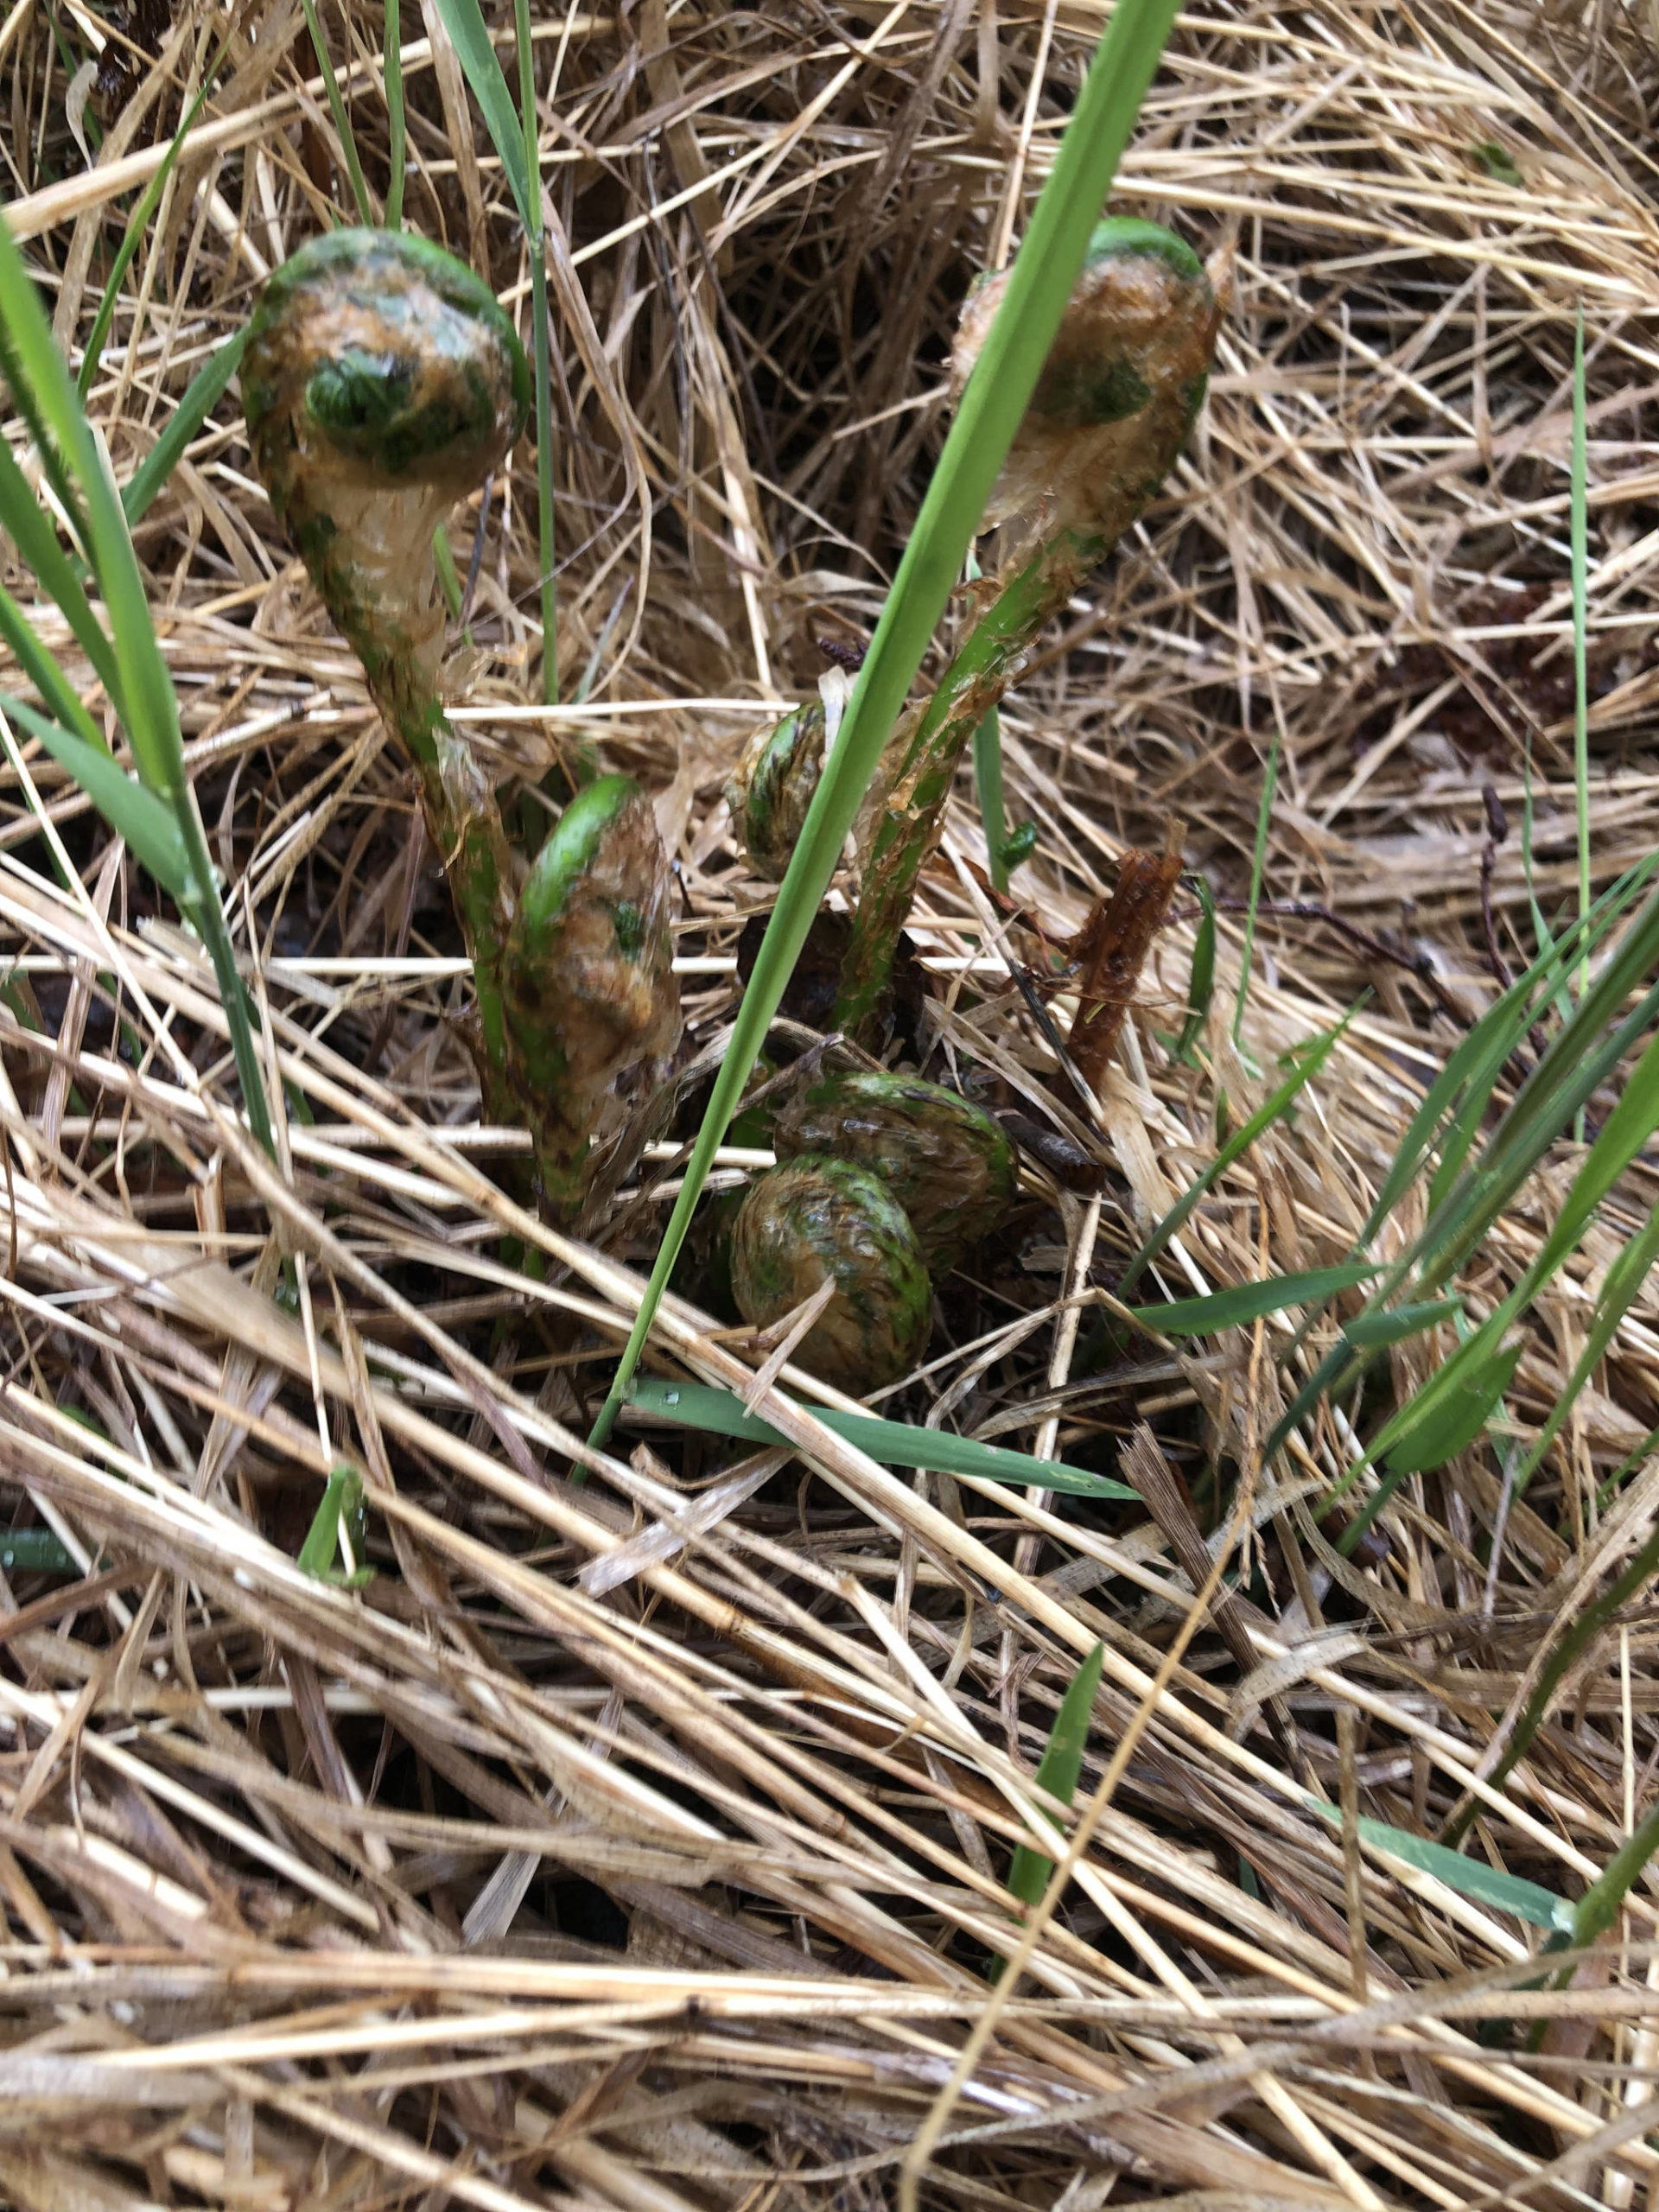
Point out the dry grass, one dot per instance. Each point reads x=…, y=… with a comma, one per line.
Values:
x=496, y=1886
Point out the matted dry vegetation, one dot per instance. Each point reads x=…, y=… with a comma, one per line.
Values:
x=524, y=1879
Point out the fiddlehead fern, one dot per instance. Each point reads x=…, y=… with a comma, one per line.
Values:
x=819, y=1219
x=1123, y=384
x=939, y=1156
x=592, y=1011
x=773, y=786
x=381, y=383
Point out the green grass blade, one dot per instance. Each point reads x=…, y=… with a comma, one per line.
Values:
x=1450, y=1409
x=1311, y=1060
x=201, y=396
x=1470, y=1877
x=1599, y=1908
x=31, y=529
x=1251, y=1302
x=392, y=71
x=549, y=588
x=1361, y=1340
x=464, y=20
x=24, y=398
x=339, y=1525
x=1002, y=384
x=1619, y=1290
x=1445, y=1417
x=42, y=382
x=988, y=783
x=1370, y=1332
x=151, y=714
x=892, y=1443
x=1580, y=623
x=1062, y=1763
x=342, y=121
x=147, y=822
x=1583, y=1055
x=1335, y=1371
x=1201, y=983
x=1578, y=1634
x=1258, y=867
x=44, y=673
x=136, y=231
x=1465, y=1085
x=540, y=354
x=35, y=1551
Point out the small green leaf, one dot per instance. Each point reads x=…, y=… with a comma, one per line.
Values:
x=892, y=1443
x=1062, y=1763
x=339, y=1520
x=1491, y=160
x=1019, y=847
x=1248, y=1301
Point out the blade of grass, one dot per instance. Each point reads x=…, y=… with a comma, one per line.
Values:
x=1599, y=1908
x=51, y=456
x=988, y=783
x=201, y=396
x=540, y=354
x=41, y=384
x=1450, y=1409
x=1057, y=1773
x=1002, y=384
x=136, y=231
x=1580, y=679
x=1437, y=1428
x=1258, y=865
x=1470, y=1877
x=1582, y=1056
x=1577, y=1638
x=1249, y=1301
x=1361, y=1339
x=1447, y=1413
x=1201, y=983
x=892, y=1443
x=44, y=673
x=1312, y=1059
x=342, y=121
x=482, y=65
x=516, y=136
x=391, y=71
x=147, y=824
x=1620, y=1288
x=35, y=1551
x=32, y=532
